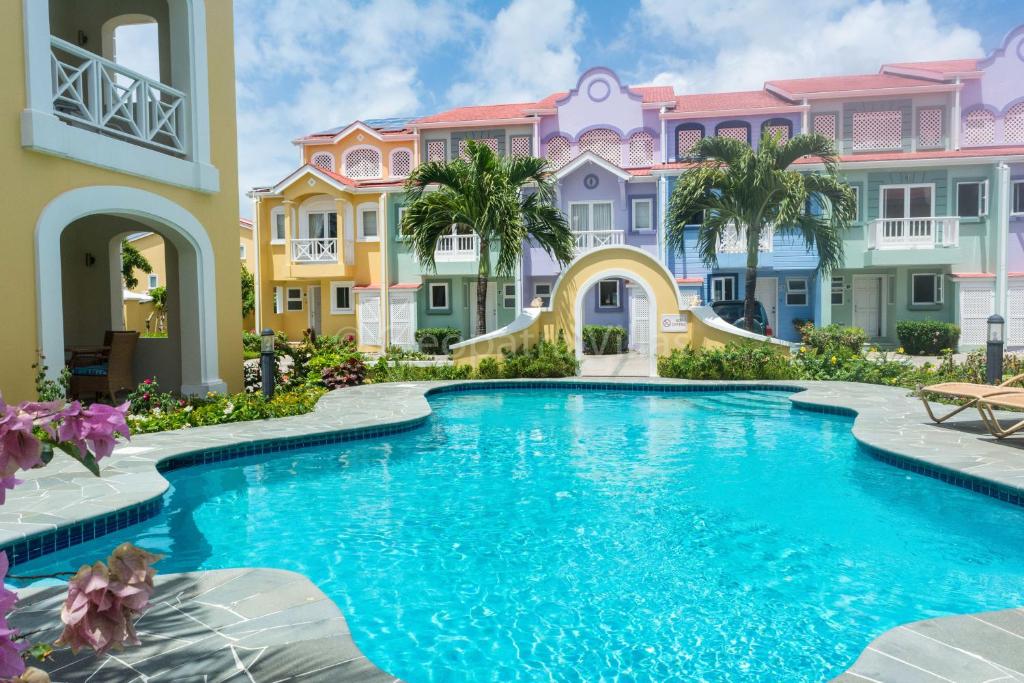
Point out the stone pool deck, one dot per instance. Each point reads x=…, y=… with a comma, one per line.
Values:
x=63, y=504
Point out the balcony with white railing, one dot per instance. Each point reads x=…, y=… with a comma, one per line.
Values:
x=733, y=241
x=315, y=250
x=588, y=240
x=457, y=248
x=100, y=95
x=929, y=232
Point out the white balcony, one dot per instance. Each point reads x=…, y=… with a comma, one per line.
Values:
x=316, y=250
x=588, y=240
x=928, y=232
x=457, y=248
x=95, y=93
x=733, y=241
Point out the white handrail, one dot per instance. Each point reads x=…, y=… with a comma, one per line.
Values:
x=457, y=247
x=926, y=232
x=97, y=93
x=733, y=241
x=315, y=250
x=587, y=240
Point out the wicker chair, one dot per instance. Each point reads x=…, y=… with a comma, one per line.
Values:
x=106, y=370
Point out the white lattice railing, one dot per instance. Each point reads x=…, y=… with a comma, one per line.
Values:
x=914, y=233
x=317, y=250
x=457, y=248
x=96, y=93
x=592, y=239
x=733, y=241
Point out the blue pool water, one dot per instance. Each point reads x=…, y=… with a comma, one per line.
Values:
x=565, y=535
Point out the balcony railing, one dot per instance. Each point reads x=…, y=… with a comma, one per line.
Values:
x=588, y=240
x=316, y=250
x=457, y=248
x=95, y=93
x=733, y=241
x=914, y=233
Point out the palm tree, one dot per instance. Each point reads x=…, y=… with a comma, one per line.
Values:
x=733, y=187
x=483, y=193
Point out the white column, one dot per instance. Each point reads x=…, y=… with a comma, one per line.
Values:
x=804, y=116
x=382, y=235
x=954, y=118
x=662, y=216
x=258, y=280
x=1002, y=227
x=664, y=142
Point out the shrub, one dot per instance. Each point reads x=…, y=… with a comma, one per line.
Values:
x=927, y=337
x=437, y=340
x=347, y=374
x=218, y=409
x=488, y=368
x=735, y=361
x=147, y=398
x=544, y=359
x=833, y=338
x=382, y=371
x=602, y=340
x=398, y=353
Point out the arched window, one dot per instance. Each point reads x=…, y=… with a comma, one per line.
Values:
x=782, y=129
x=362, y=162
x=558, y=150
x=739, y=130
x=979, y=127
x=1013, y=124
x=323, y=160
x=133, y=41
x=604, y=142
x=641, y=149
x=401, y=163
x=687, y=135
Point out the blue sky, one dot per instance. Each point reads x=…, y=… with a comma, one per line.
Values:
x=306, y=65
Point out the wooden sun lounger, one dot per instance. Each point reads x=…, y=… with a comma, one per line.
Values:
x=1004, y=400
x=968, y=391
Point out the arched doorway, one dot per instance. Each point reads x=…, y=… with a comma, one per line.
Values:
x=79, y=293
x=617, y=297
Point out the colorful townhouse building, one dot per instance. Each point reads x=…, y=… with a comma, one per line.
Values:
x=102, y=151
x=933, y=150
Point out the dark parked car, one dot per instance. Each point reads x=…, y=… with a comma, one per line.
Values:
x=731, y=311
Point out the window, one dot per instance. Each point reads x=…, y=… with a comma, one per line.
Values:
x=294, y=299
x=825, y=124
x=521, y=145
x=278, y=300
x=1018, y=198
x=436, y=150
x=241, y=251
x=604, y=142
x=154, y=280
x=323, y=160
x=838, y=290
x=856, y=203
x=322, y=225
x=907, y=201
x=925, y=288
x=796, y=291
x=277, y=226
x=608, y=294
x=542, y=291
x=341, y=298
x=979, y=127
x=464, y=146
x=972, y=199
x=687, y=135
x=929, y=128
x=401, y=163
x=402, y=234
x=508, y=295
x=782, y=129
x=587, y=216
x=368, y=224
x=558, y=150
x=362, y=162
x=723, y=288
x=739, y=130
x=641, y=149
x=643, y=214
x=438, y=296
x=874, y=130
x=1013, y=124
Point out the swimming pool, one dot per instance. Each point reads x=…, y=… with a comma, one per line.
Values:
x=574, y=534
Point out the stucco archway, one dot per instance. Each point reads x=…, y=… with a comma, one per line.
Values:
x=195, y=270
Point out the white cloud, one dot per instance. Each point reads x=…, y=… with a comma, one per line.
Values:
x=751, y=42
x=527, y=52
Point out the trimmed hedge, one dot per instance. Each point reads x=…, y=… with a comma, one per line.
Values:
x=735, y=361
x=833, y=337
x=927, y=337
x=604, y=340
x=436, y=340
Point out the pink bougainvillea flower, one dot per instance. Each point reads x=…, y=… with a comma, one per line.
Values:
x=94, y=428
x=11, y=663
x=19, y=447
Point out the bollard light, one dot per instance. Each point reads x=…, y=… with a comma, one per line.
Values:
x=267, y=361
x=994, y=351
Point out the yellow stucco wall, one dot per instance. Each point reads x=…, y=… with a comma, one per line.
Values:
x=151, y=247
x=35, y=179
x=351, y=140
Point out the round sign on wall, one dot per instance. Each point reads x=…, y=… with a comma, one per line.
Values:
x=590, y=181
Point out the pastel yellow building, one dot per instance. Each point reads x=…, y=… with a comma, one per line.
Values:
x=101, y=152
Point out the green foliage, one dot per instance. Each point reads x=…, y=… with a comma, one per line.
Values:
x=436, y=340
x=383, y=371
x=544, y=359
x=132, y=258
x=398, y=353
x=735, y=361
x=219, y=409
x=927, y=337
x=51, y=389
x=488, y=368
x=147, y=398
x=316, y=353
x=833, y=337
x=601, y=340
x=349, y=373
x=248, y=292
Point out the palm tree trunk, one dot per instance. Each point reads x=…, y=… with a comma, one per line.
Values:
x=750, y=285
x=481, y=304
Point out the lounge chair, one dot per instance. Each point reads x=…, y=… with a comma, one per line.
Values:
x=1014, y=400
x=106, y=369
x=968, y=391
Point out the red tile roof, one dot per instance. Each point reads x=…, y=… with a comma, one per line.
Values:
x=728, y=101
x=939, y=67
x=478, y=113
x=654, y=93
x=823, y=84
x=689, y=280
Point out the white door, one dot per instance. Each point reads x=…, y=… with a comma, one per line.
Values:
x=867, y=305
x=403, y=319
x=1015, y=315
x=639, y=321
x=767, y=292
x=491, y=319
x=315, y=316
x=369, y=319
x=977, y=301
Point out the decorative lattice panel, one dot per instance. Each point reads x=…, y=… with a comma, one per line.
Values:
x=323, y=160
x=363, y=162
x=401, y=163
x=929, y=128
x=781, y=133
x=558, y=151
x=641, y=149
x=435, y=150
x=464, y=146
x=877, y=130
x=1013, y=124
x=603, y=142
x=825, y=124
x=686, y=139
x=521, y=146
x=979, y=128
x=738, y=132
